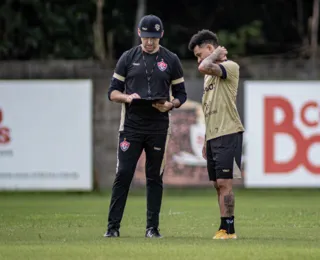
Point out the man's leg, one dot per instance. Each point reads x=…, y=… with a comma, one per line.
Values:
x=225, y=155
x=155, y=147
x=211, y=166
x=222, y=206
x=211, y=169
x=218, y=194
x=129, y=151
x=227, y=204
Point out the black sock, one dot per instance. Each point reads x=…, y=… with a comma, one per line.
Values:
x=230, y=225
x=227, y=223
x=223, y=224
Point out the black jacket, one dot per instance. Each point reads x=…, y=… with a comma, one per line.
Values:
x=131, y=75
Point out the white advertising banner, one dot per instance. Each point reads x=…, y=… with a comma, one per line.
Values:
x=45, y=135
x=282, y=121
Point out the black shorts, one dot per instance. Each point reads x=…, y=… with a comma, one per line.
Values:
x=224, y=156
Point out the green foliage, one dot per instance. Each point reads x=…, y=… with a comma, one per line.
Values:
x=37, y=29
x=237, y=41
x=63, y=29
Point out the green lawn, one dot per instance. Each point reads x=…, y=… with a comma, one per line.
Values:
x=270, y=224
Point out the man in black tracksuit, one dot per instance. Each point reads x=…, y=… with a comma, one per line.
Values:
x=146, y=71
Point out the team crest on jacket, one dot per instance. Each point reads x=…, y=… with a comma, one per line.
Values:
x=124, y=145
x=162, y=65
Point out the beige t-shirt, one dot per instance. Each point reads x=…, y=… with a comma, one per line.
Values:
x=219, y=102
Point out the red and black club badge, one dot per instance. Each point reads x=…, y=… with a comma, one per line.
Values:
x=124, y=145
x=162, y=65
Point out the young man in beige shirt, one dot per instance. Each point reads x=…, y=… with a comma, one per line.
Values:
x=223, y=140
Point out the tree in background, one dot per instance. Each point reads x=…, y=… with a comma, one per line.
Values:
x=314, y=37
x=37, y=29
x=103, y=29
x=98, y=32
x=141, y=9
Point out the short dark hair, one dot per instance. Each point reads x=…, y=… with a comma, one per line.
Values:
x=203, y=37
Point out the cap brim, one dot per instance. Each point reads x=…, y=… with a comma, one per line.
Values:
x=150, y=34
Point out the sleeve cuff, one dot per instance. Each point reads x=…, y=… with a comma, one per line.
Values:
x=224, y=72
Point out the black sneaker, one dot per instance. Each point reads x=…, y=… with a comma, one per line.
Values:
x=112, y=233
x=153, y=232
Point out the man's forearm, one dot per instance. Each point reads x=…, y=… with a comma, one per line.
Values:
x=209, y=67
x=179, y=94
x=118, y=96
x=210, y=59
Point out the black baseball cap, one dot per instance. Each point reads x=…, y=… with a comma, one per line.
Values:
x=150, y=27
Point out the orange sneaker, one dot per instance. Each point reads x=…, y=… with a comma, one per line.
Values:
x=221, y=234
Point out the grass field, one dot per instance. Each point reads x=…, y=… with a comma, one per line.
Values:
x=271, y=224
